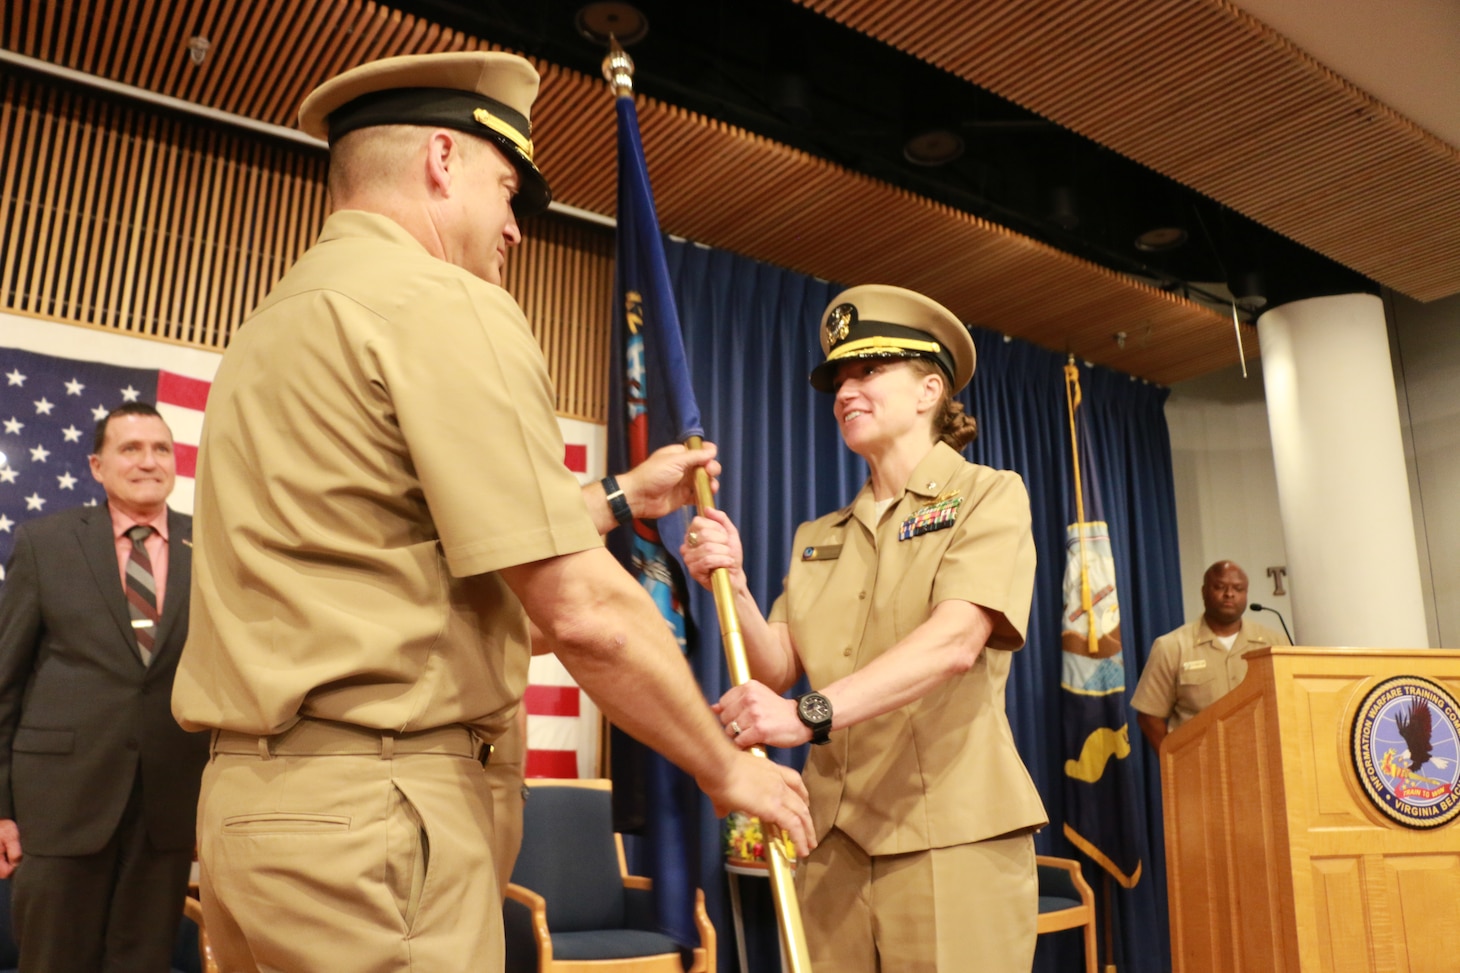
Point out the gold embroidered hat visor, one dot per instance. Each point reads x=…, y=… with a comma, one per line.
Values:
x=881, y=321
x=484, y=93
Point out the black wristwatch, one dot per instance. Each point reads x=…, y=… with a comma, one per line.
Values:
x=617, y=502
x=815, y=711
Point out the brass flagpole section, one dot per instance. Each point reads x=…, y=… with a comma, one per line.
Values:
x=618, y=70
x=1072, y=402
x=783, y=890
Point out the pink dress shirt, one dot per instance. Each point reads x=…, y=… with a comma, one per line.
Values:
x=156, y=547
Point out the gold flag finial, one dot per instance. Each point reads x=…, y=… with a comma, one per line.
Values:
x=618, y=69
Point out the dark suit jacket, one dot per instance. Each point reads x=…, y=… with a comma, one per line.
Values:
x=80, y=716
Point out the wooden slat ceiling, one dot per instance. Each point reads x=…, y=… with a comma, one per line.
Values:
x=1205, y=94
x=714, y=183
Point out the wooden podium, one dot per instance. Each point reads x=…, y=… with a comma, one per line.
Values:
x=1277, y=857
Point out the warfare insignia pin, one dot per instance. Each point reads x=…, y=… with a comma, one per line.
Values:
x=940, y=514
x=839, y=323
x=1406, y=751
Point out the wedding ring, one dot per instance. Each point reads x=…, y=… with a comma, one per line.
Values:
x=734, y=728
x=693, y=538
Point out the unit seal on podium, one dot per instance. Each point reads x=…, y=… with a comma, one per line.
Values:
x=1406, y=751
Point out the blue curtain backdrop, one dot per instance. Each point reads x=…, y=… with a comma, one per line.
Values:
x=750, y=340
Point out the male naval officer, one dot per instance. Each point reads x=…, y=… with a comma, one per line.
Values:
x=382, y=507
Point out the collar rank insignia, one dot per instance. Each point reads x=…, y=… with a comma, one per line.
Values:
x=826, y=552
x=941, y=513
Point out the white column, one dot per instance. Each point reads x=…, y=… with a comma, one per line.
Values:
x=1352, y=560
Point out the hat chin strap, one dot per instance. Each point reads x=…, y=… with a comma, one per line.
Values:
x=883, y=345
x=821, y=375
x=504, y=129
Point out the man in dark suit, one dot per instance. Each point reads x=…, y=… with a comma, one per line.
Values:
x=98, y=784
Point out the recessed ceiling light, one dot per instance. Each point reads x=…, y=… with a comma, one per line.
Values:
x=935, y=147
x=624, y=21
x=1161, y=238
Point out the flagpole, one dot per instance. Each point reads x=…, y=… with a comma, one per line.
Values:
x=1072, y=401
x=618, y=69
x=795, y=952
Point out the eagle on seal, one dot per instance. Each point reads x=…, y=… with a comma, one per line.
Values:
x=1416, y=724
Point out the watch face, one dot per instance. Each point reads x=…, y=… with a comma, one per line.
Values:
x=814, y=708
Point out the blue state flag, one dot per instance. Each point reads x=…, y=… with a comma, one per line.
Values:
x=651, y=405
x=1100, y=792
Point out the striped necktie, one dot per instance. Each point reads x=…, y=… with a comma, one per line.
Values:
x=142, y=592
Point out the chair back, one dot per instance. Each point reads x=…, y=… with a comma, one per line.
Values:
x=1057, y=889
x=1066, y=902
x=569, y=856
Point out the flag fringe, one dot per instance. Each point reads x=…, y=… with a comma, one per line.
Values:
x=1093, y=693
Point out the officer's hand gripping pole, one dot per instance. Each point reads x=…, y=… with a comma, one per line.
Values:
x=783, y=890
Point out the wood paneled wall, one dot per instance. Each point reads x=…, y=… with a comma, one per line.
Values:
x=167, y=226
x=562, y=276
x=715, y=183
x=1205, y=93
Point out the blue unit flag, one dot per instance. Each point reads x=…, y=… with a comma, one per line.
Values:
x=1100, y=792
x=651, y=405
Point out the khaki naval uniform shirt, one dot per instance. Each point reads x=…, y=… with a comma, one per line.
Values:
x=1188, y=669
x=379, y=441
x=943, y=770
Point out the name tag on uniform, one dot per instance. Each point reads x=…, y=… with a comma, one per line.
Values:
x=1193, y=664
x=826, y=552
x=141, y=623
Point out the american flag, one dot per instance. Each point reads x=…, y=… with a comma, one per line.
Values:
x=49, y=407
x=50, y=401
x=562, y=722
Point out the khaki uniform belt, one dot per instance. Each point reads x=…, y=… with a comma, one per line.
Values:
x=326, y=738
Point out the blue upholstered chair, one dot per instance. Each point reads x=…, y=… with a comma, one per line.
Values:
x=572, y=907
x=188, y=956
x=1066, y=901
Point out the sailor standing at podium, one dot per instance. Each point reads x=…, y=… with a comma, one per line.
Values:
x=1192, y=667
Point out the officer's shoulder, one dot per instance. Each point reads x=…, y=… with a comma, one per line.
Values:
x=981, y=480
x=1174, y=636
x=1268, y=635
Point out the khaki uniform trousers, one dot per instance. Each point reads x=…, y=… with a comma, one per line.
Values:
x=945, y=910
x=507, y=778
x=507, y=785
x=332, y=847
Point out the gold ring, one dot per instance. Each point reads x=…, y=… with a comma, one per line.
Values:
x=734, y=728
x=693, y=538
